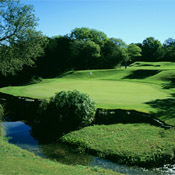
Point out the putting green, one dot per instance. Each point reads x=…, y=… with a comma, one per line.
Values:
x=107, y=94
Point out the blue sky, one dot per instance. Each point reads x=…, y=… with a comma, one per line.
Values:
x=130, y=20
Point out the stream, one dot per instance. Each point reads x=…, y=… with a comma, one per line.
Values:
x=18, y=133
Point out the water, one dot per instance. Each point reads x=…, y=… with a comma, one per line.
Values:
x=19, y=134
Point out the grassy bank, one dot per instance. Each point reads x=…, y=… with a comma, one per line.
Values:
x=14, y=160
x=135, y=144
x=117, y=88
x=146, y=87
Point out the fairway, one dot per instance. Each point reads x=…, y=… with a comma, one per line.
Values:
x=106, y=93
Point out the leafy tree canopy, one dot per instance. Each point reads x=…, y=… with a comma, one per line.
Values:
x=89, y=34
x=118, y=42
x=134, y=51
x=20, y=43
x=169, y=49
x=151, y=49
x=85, y=54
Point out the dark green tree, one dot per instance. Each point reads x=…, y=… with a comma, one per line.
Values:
x=57, y=57
x=134, y=51
x=84, y=33
x=169, y=49
x=85, y=54
x=112, y=53
x=151, y=49
x=130, y=53
x=20, y=42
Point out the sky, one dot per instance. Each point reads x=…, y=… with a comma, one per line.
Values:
x=130, y=20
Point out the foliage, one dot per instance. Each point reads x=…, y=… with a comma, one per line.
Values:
x=93, y=49
x=169, y=49
x=134, y=51
x=151, y=49
x=67, y=111
x=57, y=58
x=20, y=43
x=85, y=54
x=84, y=33
x=111, y=53
x=130, y=53
x=35, y=80
x=134, y=144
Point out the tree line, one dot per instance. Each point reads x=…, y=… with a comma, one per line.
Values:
x=26, y=53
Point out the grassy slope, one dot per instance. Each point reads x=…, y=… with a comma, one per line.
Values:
x=117, y=88
x=14, y=160
x=138, y=144
x=133, y=143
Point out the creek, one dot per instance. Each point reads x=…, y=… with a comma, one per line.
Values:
x=19, y=134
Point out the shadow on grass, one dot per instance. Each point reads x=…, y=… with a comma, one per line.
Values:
x=170, y=85
x=141, y=74
x=141, y=64
x=165, y=108
x=113, y=116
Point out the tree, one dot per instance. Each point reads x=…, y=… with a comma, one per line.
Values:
x=85, y=54
x=130, y=53
x=20, y=43
x=134, y=51
x=125, y=56
x=84, y=33
x=57, y=57
x=111, y=53
x=169, y=49
x=151, y=49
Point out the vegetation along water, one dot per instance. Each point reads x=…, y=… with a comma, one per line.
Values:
x=134, y=144
x=92, y=93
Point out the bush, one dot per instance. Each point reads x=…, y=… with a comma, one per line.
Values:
x=67, y=111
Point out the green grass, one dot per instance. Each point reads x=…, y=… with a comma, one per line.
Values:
x=115, y=88
x=155, y=65
x=140, y=87
x=14, y=160
x=143, y=86
x=136, y=144
x=107, y=94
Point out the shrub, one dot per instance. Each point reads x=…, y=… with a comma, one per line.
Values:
x=67, y=111
x=35, y=79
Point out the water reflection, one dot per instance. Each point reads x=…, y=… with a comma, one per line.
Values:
x=19, y=134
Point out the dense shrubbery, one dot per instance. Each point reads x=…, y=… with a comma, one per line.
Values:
x=67, y=111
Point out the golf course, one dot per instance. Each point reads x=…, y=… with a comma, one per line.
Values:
x=144, y=87
x=134, y=88
x=87, y=87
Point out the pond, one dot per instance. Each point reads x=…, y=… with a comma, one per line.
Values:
x=19, y=134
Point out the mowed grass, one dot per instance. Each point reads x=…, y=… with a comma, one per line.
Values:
x=116, y=88
x=106, y=94
x=135, y=144
x=139, y=87
x=14, y=160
